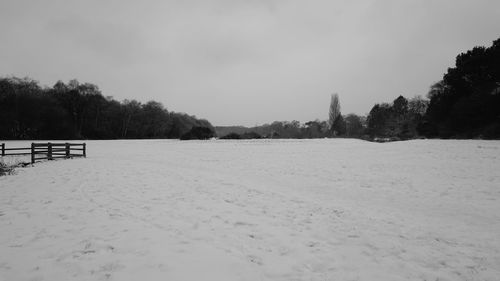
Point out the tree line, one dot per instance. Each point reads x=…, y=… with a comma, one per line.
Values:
x=79, y=111
x=465, y=103
x=398, y=120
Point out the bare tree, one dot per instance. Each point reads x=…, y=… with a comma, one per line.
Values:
x=334, y=110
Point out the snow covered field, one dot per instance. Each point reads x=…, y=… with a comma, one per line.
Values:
x=256, y=210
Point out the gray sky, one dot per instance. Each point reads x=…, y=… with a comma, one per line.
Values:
x=240, y=61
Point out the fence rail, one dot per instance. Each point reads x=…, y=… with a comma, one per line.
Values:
x=47, y=151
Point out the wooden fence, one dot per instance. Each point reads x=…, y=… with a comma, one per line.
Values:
x=47, y=151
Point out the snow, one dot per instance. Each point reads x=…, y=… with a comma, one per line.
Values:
x=256, y=210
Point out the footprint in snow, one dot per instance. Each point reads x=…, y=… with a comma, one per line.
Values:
x=105, y=271
x=92, y=248
x=255, y=259
x=255, y=236
x=312, y=244
x=240, y=223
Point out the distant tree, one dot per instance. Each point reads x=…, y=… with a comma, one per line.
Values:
x=339, y=127
x=314, y=129
x=401, y=118
x=354, y=125
x=182, y=123
x=379, y=120
x=156, y=120
x=76, y=98
x=251, y=135
x=200, y=133
x=437, y=89
x=418, y=106
x=226, y=130
x=23, y=108
x=277, y=129
x=400, y=106
x=334, y=113
x=231, y=136
x=246, y=135
x=132, y=120
x=293, y=129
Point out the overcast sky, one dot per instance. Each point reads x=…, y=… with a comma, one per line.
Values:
x=241, y=61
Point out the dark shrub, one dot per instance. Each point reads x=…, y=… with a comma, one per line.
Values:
x=198, y=133
x=251, y=135
x=5, y=169
x=231, y=136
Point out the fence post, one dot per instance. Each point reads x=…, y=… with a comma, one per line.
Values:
x=3, y=149
x=84, y=150
x=67, y=150
x=49, y=151
x=32, y=153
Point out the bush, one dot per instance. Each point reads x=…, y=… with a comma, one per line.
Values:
x=244, y=136
x=251, y=135
x=5, y=169
x=231, y=136
x=198, y=133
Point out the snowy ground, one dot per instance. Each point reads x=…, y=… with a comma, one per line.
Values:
x=256, y=210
